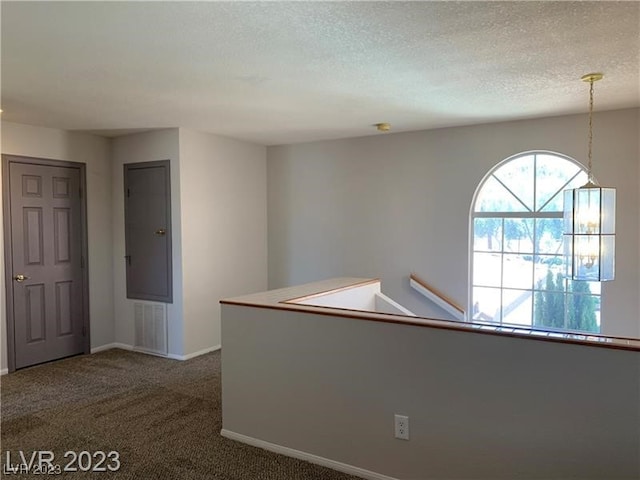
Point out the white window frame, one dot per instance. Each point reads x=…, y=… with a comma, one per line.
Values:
x=520, y=215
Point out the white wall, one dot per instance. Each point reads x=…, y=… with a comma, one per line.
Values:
x=224, y=229
x=146, y=147
x=386, y=205
x=479, y=406
x=94, y=152
x=359, y=297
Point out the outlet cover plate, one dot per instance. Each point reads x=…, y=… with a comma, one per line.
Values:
x=401, y=427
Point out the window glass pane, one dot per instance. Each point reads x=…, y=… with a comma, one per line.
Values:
x=548, y=274
x=517, y=272
x=516, y=307
x=583, y=311
x=548, y=235
x=545, y=262
x=584, y=287
x=487, y=234
x=549, y=308
x=518, y=175
x=486, y=304
x=487, y=269
x=493, y=197
x=552, y=173
x=518, y=235
x=556, y=204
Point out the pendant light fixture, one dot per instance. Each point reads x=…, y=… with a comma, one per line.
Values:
x=589, y=220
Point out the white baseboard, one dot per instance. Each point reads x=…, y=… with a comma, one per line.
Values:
x=124, y=346
x=194, y=354
x=109, y=346
x=290, y=452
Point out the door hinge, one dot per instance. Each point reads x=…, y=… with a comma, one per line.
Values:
x=128, y=259
x=80, y=192
x=82, y=261
x=128, y=192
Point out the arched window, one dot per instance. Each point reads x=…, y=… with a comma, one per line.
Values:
x=516, y=273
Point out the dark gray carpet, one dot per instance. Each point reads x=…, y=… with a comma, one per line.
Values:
x=162, y=416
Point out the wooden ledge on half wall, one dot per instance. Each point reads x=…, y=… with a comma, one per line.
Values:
x=288, y=298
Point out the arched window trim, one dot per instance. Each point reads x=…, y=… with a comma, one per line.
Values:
x=520, y=214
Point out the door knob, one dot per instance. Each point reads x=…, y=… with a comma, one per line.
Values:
x=20, y=278
x=160, y=231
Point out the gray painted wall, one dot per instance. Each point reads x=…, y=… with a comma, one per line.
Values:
x=146, y=147
x=218, y=196
x=479, y=406
x=94, y=152
x=224, y=228
x=386, y=205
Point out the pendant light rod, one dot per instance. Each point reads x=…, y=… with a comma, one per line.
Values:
x=591, y=77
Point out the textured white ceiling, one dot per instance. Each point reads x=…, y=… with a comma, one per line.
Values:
x=283, y=72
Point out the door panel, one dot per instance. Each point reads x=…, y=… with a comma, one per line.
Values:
x=62, y=235
x=32, y=186
x=64, y=315
x=148, y=231
x=35, y=313
x=46, y=248
x=33, y=235
x=61, y=187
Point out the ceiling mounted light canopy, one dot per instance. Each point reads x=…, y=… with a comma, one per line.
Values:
x=589, y=220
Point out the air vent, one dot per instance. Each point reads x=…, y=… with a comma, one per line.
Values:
x=151, y=328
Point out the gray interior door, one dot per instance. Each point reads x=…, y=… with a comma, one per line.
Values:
x=46, y=245
x=148, y=231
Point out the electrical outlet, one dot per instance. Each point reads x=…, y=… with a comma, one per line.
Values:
x=402, y=427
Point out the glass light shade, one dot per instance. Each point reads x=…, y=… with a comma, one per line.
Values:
x=589, y=233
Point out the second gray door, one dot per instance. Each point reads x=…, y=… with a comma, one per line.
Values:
x=148, y=231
